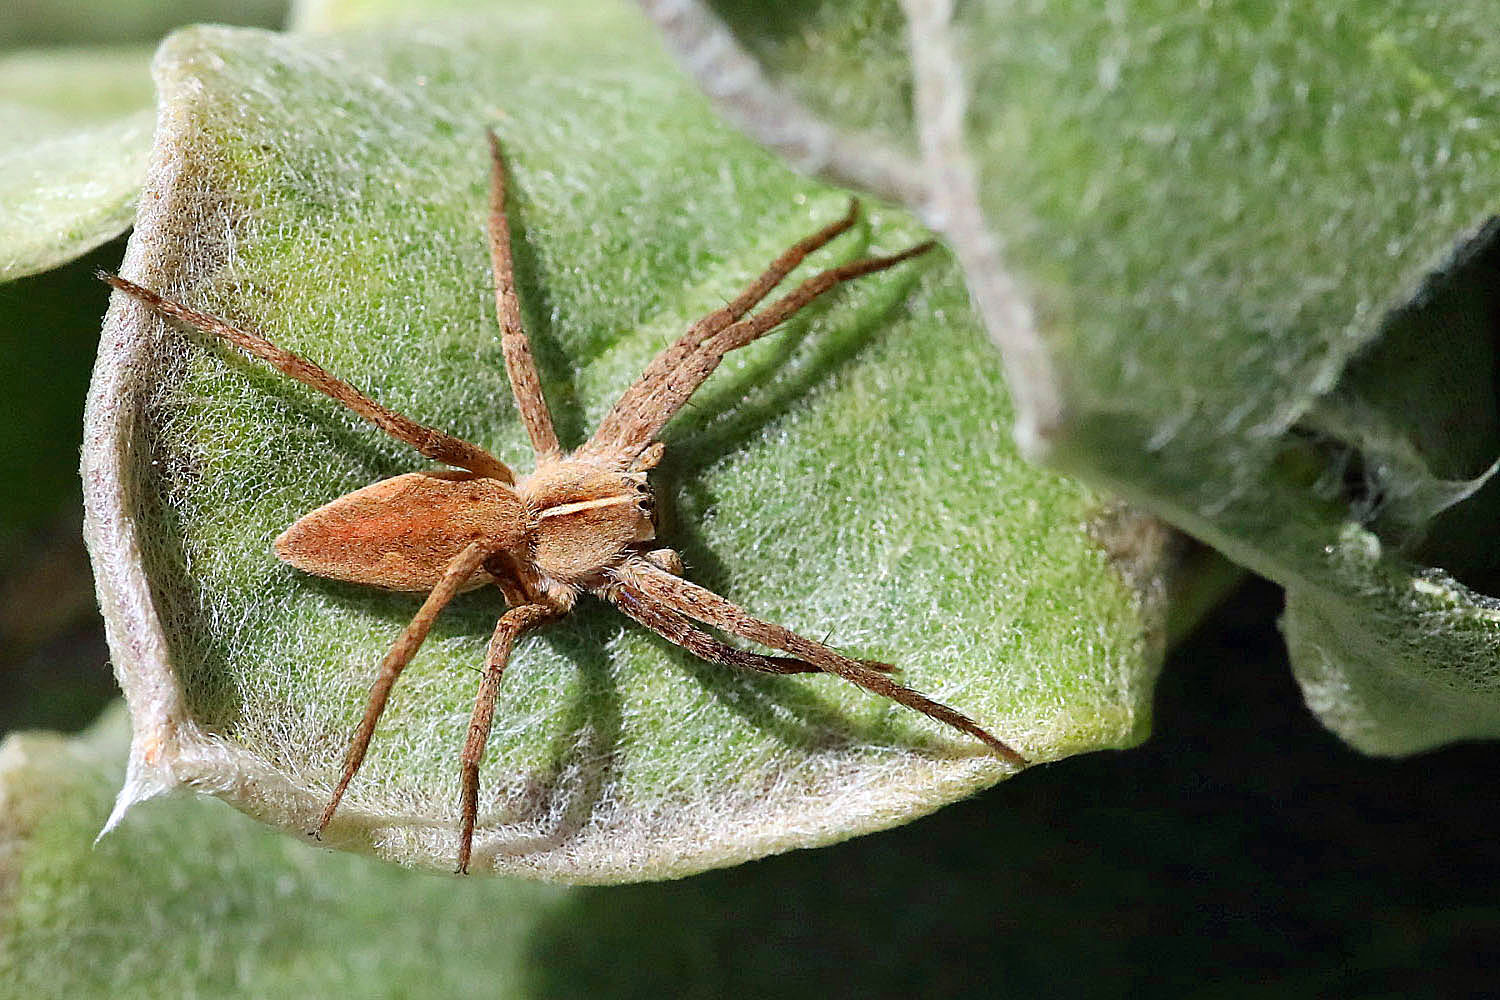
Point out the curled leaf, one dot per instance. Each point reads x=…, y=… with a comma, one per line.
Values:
x=1202, y=240
x=851, y=475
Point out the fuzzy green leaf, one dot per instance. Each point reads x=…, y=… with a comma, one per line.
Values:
x=851, y=475
x=76, y=119
x=75, y=128
x=212, y=905
x=1214, y=227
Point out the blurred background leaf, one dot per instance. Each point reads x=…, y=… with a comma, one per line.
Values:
x=44, y=24
x=76, y=118
x=74, y=129
x=1202, y=236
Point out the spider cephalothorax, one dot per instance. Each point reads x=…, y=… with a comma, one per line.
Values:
x=582, y=522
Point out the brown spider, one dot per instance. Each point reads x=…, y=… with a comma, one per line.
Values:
x=581, y=522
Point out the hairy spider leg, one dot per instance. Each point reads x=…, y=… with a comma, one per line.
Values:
x=705, y=606
x=435, y=444
x=457, y=573
x=636, y=430
x=520, y=364
x=497, y=656
x=631, y=404
x=677, y=630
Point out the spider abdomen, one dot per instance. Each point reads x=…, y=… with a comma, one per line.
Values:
x=400, y=533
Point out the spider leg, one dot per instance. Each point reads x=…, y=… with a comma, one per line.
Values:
x=674, y=625
x=511, y=625
x=649, y=458
x=628, y=409
x=652, y=414
x=433, y=443
x=666, y=559
x=520, y=365
x=677, y=630
x=510, y=576
x=704, y=605
x=457, y=573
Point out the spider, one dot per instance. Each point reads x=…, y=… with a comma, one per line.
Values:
x=582, y=522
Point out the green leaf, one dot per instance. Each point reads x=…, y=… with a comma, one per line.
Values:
x=76, y=120
x=217, y=906
x=1202, y=237
x=75, y=127
x=851, y=475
